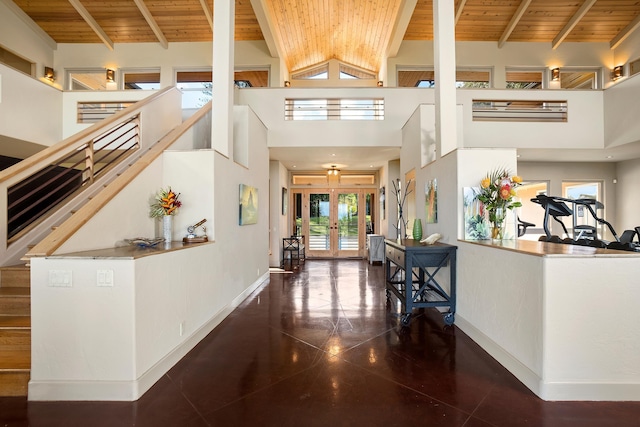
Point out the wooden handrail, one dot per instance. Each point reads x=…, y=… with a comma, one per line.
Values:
x=61, y=234
x=69, y=143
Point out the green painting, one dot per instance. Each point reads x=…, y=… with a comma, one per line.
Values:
x=248, y=205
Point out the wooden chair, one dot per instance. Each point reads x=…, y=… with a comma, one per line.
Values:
x=293, y=249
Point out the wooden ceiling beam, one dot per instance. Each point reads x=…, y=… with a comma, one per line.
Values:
x=208, y=13
x=92, y=23
x=514, y=21
x=459, y=10
x=400, y=27
x=626, y=32
x=152, y=23
x=266, y=24
x=572, y=23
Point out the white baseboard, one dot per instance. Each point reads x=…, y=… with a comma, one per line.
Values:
x=552, y=391
x=133, y=390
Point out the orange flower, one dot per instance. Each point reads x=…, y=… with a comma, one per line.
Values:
x=505, y=192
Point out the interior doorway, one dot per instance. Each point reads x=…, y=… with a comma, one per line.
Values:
x=334, y=221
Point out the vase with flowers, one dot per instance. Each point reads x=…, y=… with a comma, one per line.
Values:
x=497, y=191
x=165, y=205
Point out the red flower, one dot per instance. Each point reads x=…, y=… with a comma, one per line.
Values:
x=505, y=192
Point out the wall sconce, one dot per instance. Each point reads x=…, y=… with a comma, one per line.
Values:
x=380, y=84
x=287, y=83
x=555, y=74
x=617, y=72
x=48, y=74
x=333, y=171
x=111, y=76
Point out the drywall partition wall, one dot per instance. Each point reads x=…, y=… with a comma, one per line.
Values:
x=621, y=106
x=279, y=220
x=26, y=41
x=244, y=250
x=503, y=311
x=628, y=50
x=164, y=304
x=625, y=188
x=268, y=104
x=29, y=109
x=583, y=130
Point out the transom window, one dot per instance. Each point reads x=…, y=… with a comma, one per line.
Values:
x=141, y=79
x=196, y=87
x=524, y=79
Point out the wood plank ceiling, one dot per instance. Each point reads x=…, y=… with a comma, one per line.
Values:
x=358, y=32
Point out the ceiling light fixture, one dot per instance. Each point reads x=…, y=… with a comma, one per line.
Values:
x=555, y=74
x=333, y=171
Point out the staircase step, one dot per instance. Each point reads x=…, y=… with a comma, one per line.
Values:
x=15, y=322
x=14, y=382
x=17, y=276
x=15, y=301
x=15, y=355
x=14, y=372
x=18, y=338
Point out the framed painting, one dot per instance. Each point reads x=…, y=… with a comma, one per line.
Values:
x=285, y=200
x=248, y=205
x=431, y=201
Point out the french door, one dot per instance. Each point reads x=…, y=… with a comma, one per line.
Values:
x=334, y=222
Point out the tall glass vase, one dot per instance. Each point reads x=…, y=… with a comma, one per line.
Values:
x=167, y=228
x=497, y=219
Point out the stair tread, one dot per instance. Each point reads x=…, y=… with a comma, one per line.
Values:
x=15, y=292
x=15, y=321
x=15, y=360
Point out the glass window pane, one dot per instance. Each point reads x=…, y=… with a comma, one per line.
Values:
x=348, y=221
x=319, y=211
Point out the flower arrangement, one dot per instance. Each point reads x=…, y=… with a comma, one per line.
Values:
x=497, y=191
x=165, y=203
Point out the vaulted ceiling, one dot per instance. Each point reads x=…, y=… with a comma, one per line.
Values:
x=359, y=32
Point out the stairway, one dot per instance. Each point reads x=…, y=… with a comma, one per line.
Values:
x=15, y=330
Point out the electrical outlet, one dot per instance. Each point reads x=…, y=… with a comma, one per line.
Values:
x=60, y=278
x=104, y=278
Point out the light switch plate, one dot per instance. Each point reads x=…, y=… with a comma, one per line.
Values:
x=60, y=278
x=104, y=278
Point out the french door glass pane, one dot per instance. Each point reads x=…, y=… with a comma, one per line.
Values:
x=348, y=221
x=319, y=211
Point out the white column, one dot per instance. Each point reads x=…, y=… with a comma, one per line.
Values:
x=223, y=64
x=444, y=46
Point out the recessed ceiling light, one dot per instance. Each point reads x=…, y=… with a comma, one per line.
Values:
x=333, y=154
x=609, y=157
x=295, y=166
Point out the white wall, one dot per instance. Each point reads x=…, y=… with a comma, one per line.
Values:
x=163, y=305
x=621, y=106
x=24, y=41
x=627, y=206
x=18, y=111
x=278, y=179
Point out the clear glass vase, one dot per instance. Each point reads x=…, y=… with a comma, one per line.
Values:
x=497, y=224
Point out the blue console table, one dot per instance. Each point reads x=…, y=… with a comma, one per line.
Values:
x=410, y=272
